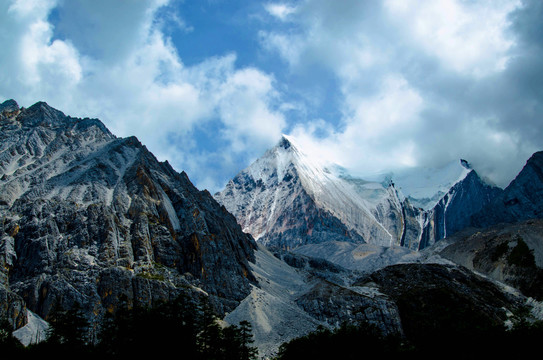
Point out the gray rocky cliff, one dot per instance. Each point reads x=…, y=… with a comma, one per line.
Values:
x=91, y=218
x=521, y=200
x=454, y=211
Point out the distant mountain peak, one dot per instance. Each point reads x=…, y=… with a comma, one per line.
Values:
x=288, y=145
x=291, y=144
x=536, y=159
x=41, y=105
x=9, y=105
x=272, y=196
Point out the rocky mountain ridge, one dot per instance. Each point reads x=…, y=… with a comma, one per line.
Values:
x=91, y=218
x=521, y=200
x=303, y=209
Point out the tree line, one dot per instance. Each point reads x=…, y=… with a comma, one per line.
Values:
x=187, y=329
x=366, y=341
x=182, y=328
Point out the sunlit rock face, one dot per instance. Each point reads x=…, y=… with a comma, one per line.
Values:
x=91, y=218
x=274, y=200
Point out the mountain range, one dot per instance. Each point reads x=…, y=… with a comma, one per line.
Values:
x=288, y=199
x=289, y=245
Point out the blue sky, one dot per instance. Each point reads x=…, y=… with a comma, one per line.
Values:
x=209, y=85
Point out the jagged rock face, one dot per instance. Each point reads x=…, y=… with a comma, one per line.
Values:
x=413, y=226
x=336, y=305
x=288, y=199
x=12, y=307
x=455, y=210
x=522, y=199
x=96, y=219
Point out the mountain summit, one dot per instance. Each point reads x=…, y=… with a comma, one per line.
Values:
x=287, y=198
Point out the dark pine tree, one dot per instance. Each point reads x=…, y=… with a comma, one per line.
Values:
x=9, y=345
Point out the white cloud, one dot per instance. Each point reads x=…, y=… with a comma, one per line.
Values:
x=413, y=77
x=285, y=45
x=388, y=113
x=377, y=131
x=32, y=62
x=243, y=104
x=469, y=37
x=280, y=11
x=410, y=79
x=111, y=60
x=107, y=30
x=45, y=62
x=30, y=8
x=465, y=36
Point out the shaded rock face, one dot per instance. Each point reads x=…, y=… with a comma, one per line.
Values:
x=522, y=199
x=335, y=305
x=455, y=210
x=91, y=218
x=442, y=299
x=12, y=307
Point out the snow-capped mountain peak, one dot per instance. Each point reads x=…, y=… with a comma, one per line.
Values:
x=287, y=154
x=290, y=197
x=286, y=179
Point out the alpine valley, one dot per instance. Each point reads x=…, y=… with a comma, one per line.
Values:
x=291, y=245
